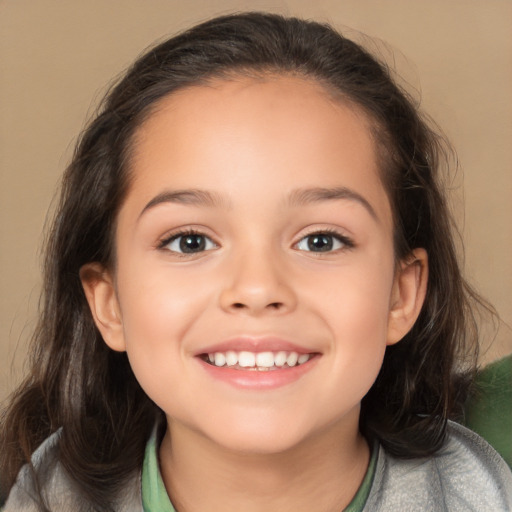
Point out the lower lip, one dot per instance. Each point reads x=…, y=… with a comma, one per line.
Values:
x=255, y=379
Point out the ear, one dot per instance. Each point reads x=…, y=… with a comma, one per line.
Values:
x=408, y=295
x=101, y=295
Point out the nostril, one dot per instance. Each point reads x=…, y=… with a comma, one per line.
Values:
x=272, y=305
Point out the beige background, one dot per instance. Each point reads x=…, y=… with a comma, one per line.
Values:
x=56, y=56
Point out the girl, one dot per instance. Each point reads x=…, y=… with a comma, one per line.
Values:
x=252, y=299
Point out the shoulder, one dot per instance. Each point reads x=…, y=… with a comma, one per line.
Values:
x=24, y=495
x=465, y=475
x=48, y=478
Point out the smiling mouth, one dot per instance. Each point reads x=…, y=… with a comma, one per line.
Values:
x=256, y=361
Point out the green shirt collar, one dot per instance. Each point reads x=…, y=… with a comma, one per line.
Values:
x=154, y=495
x=155, y=498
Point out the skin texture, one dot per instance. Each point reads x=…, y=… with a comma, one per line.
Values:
x=253, y=145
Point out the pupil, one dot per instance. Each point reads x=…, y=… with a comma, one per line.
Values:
x=192, y=243
x=320, y=243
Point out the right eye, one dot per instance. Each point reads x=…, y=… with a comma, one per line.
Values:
x=188, y=243
x=324, y=242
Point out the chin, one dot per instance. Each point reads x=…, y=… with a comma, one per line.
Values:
x=258, y=436
x=271, y=443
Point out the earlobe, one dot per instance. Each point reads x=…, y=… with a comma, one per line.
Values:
x=100, y=292
x=408, y=295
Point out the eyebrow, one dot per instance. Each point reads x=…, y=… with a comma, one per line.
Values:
x=304, y=196
x=194, y=197
x=298, y=197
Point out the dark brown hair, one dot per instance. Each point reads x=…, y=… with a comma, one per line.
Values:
x=77, y=383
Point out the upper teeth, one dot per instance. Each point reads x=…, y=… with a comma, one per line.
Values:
x=247, y=359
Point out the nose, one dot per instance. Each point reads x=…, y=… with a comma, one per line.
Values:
x=258, y=284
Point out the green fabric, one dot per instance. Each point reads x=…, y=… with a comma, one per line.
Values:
x=489, y=410
x=359, y=500
x=155, y=498
x=154, y=494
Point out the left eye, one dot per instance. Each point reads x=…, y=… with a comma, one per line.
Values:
x=190, y=243
x=322, y=242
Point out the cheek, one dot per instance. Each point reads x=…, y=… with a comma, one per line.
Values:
x=356, y=308
x=358, y=352
x=158, y=309
x=158, y=302
x=357, y=297
x=361, y=336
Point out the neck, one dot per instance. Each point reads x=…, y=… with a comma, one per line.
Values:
x=323, y=473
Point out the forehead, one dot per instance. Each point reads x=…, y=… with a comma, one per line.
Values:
x=224, y=133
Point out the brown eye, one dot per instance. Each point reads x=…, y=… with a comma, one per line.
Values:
x=320, y=243
x=323, y=242
x=192, y=243
x=189, y=243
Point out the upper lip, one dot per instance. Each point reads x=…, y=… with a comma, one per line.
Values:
x=256, y=344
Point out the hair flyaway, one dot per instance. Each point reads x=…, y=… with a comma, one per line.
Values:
x=93, y=393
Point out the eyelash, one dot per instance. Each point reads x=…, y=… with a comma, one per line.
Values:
x=163, y=244
x=345, y=241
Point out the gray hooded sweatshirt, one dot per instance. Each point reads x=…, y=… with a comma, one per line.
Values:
x=465, y=475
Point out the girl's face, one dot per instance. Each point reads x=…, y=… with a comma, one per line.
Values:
x=255, y=288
